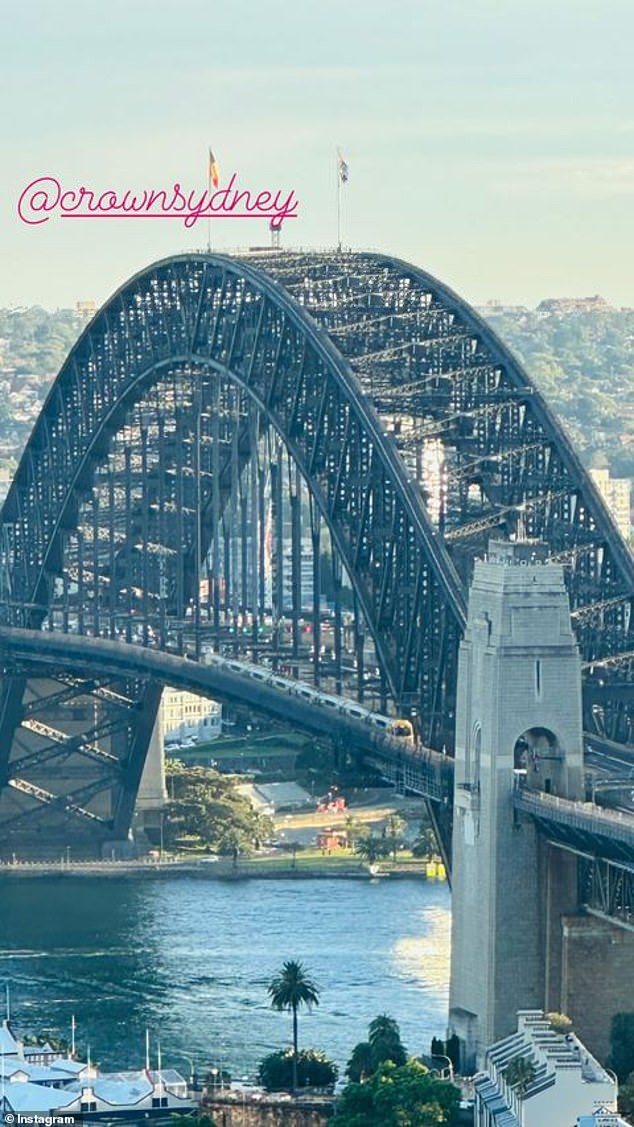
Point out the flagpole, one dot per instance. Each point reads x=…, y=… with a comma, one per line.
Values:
x=338, y=168
x=209, y=192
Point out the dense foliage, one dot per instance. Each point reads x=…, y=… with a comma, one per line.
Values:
x=583, y=362
x=206, y=810
x=582, y=359
x=37, y=342
x=425, y=844
x=621, y=1057
x=314, y=1070
x=626, y=1096
x=383, y=1044
x=372, y=848
x=449, y=1049
x=405, y=1096
x=520, y=1073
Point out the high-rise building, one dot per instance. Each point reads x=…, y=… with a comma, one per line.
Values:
x=616, y=492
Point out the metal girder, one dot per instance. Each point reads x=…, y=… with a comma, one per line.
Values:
x=606, y=889
x=210, y=404
x=505, y=456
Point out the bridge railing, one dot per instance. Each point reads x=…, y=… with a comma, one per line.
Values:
x=585, y=816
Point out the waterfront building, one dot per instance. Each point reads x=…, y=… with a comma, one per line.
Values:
x=41, y=1080
x=186, y=716
x=538, y=1076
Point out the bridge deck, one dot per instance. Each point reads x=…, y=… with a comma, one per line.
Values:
x=610, y=832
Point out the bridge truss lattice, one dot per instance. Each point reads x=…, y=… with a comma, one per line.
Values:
x=294, y=457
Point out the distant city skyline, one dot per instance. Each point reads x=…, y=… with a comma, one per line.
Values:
x=489, y=142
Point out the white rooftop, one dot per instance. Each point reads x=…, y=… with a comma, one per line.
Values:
x=566, y=1080
x=33, y=1098
x=8, y=1043
x=121, y=1091
x=284, y=795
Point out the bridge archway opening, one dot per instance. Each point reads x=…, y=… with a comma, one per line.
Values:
x=540, y=757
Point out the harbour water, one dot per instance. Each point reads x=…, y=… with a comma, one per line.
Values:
x=190, y=959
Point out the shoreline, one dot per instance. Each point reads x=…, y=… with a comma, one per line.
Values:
x=259, y=870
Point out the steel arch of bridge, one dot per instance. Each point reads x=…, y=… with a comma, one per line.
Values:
x=210, y=391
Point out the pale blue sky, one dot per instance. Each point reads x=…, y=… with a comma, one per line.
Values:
x=489, y=141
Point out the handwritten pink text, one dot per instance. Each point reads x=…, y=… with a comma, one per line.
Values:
x=45, y=198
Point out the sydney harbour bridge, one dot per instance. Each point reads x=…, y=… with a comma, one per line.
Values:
x=289, y=459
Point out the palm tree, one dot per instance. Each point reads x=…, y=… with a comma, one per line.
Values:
x=383, y=1044
x=362, y=1063
x=384, y=1036
x=289, y=990
x=372, y=848
x=395, y=827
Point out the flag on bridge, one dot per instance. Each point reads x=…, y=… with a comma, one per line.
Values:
x=343, y=167
x=214, y=175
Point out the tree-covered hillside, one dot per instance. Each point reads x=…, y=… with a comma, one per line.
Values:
x=582, y=358
x=583, y=362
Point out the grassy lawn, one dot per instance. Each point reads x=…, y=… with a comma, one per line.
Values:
x=307, y=859
x=336, y=859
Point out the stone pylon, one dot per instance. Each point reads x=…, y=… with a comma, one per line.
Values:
x=518, y=723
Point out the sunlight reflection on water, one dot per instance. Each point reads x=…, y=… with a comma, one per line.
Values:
x=191, y=959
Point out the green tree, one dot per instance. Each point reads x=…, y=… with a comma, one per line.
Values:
x=314, y=1070
x=425, y=844
x=362, y=1063
x=206, y=809
x=409, y=1096
x=372, y=848
x=519, y=1074
x=383, y=1044
x=354, y=829
x=384, y=1036
x=396, y=825
x=621, y=1057
x=626, y=1096
x=59, y=1044
x=291, y=989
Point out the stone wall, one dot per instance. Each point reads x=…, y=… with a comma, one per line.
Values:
x=231, y=1110
x=598, y=978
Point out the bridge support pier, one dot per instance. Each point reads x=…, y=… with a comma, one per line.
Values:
x=518, y=722
x=152, y=796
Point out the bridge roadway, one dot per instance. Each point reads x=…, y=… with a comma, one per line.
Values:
x=582, y=826
x=233, y=681
x=612, y=768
